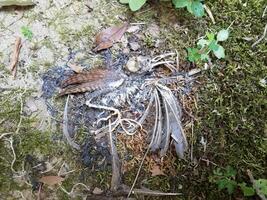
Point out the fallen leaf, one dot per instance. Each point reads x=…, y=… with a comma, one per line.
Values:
x=51, y=180
x=106, y=38
x=156, y=171
x=97, y=191
x=76, y=68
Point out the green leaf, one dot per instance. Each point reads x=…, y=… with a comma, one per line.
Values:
x=262, y=185
x=189, y=7
x=202, y=43
x=247, y=191
x=213, y=46
x=222, y=183
x=136, y=4
x=210, y=36
x=228, y=184
x=197, y=8
x=26, y=32
x=193, y=54
x=219, y=53
x=124, y=1
x=204, y=57
x=231, y=186
x=180, y=3
x=230, y=171
x=223, y=35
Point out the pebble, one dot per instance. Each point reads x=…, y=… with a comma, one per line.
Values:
x=134, y=46
x=132, y=65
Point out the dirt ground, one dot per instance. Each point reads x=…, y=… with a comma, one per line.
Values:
x=224, y=108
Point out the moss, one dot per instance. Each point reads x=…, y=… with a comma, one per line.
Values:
x=232, y=108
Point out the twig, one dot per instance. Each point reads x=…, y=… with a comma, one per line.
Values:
x=15, y=56
x=208, y=161
x=177, y=60
x=65, y=127
x=39, y=192
x=252, y=180
x=20, y=119
x=14, y=155
x=20, y=173
x=138, y=172
x=261, y=38
x=207, y=9
x=72, y=190
x=4, y=135
x=264, y=12
x=153, y=193
x=116, y=178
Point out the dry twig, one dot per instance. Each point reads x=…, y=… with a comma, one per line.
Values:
x=65, y=127
x=15, y=57
x=116, y=178
x=137, y=175
x=261, y=38
x=207, y=9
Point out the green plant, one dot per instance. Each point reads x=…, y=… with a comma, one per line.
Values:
x=134, y=4
x=225, y=179
x=261, y=184
x=26, y=32
x=193, y=6
x=207, y=45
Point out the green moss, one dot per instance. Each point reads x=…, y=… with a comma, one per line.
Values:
x=232, y=107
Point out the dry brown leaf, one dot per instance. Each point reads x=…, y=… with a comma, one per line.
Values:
x=106, y=38
x=51, y=180
x=76, y=68
x=156, y=171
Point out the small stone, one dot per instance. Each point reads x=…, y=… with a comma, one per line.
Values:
x=126, y=51
x=97, y=191
x=134, y=46
x=154, y=30
x=31, y=105
x=132, y=65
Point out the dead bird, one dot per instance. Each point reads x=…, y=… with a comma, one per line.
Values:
x=95, y=79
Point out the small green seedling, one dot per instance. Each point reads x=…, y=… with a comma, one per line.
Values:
x=26, y=32
x=207, y=45
x=134, y=4
x=225, y=179
x=193, y=6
